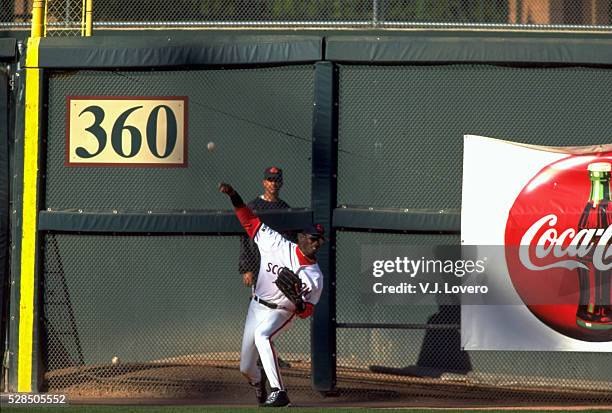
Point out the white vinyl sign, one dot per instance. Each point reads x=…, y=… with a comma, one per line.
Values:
x=542, y=215
x=123, y=131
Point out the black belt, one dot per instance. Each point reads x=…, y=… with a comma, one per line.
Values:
x=264, y=302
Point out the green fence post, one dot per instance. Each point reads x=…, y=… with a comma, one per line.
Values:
x=324, y=189
x=4, y=211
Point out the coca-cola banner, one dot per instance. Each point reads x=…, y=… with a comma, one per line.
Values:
x=541, y=219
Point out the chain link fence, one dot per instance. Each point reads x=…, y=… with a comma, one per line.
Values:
x=160, y=318
x=440, y=103
x=15, y=14
x=64, y=16
x=163, y=316
x=407, y=124
x=411, y=348
x=239, y=110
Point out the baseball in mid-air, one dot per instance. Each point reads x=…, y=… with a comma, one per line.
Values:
x=115, y=360
x=211, y=146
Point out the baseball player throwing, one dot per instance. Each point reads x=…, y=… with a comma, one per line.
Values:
x=289, y=284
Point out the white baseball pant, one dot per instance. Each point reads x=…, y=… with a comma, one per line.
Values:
x=262, y=325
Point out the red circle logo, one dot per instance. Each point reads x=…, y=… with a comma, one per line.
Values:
x=557, y=239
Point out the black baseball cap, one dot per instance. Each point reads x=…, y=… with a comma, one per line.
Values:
x=315, y=230
x=273, y=173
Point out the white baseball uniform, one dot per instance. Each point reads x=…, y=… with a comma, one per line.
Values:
x=264, y=323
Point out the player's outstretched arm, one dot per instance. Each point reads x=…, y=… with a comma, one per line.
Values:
x=247, y=219
x=235, y=197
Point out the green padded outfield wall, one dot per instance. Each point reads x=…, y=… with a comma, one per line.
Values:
x=256, y=118
x=8, y=52
x=406, y=123
x=401, y=133
x=169, y=298
x=4, y=204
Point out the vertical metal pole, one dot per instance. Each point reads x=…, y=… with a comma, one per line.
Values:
x=45, y=18
x=5, y=121
x=38, y=8
x=324, y=191
x=374, y=13
x=83, y=7
x=88, y=17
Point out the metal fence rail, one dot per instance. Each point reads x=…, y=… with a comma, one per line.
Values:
x=63, y=16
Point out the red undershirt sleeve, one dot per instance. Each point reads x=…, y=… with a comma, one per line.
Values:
x=308, y=310
x=248, y=220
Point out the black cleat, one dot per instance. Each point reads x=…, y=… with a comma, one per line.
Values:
x=278, y=398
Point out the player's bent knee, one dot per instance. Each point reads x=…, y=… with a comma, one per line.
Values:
x=261, y=339
x=247, y=369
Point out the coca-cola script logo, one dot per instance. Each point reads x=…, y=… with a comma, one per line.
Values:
x=558, y=247
x=588, y=244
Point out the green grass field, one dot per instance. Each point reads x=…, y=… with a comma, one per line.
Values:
x=212, y=409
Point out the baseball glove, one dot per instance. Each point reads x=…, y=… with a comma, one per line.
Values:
x=292, y=287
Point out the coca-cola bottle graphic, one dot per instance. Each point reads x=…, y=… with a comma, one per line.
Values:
x=594, y=307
